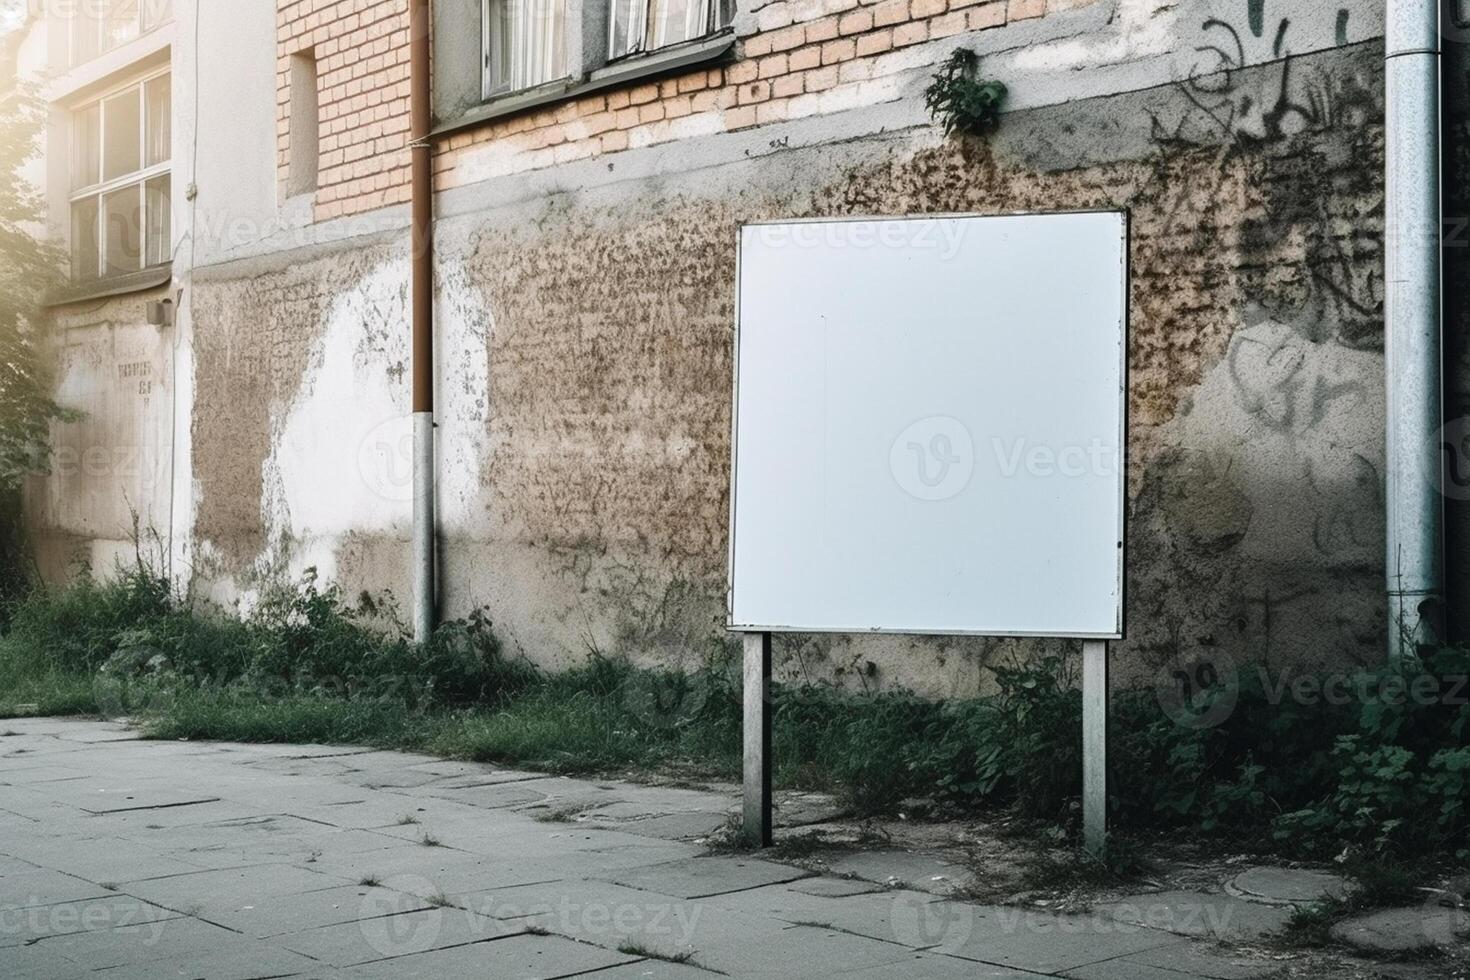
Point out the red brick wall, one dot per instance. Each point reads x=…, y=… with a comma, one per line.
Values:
x=795, y=64
x=361, y=47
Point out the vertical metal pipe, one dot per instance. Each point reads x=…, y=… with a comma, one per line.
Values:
x=422, y=246
x=1412, y=342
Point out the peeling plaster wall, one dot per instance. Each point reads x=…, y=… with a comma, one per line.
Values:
x=111, y=467
x=585, y=317
x=584, y=364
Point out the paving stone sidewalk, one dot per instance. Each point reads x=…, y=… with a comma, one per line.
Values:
x=124, y=858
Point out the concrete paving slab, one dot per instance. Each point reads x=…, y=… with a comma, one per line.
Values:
x=429, y=871
x=88, y=796
x=28, y=889
x=394, y=936
x=235, y=885
x=703, y=877
x=99, y=859
x=1026, y=940
x=297, y=766
x=1200, y=914
x=10, y=865
x=795, y=951
x=245, y=961
x=280, y=915
x=140, y=943
x=902, y=869
x=496, y=796
x=93, y=737
x=282, y=850
x=654, y=970
x=677, y=826
x=153, y=825
x=596, y=912
x=1407, y=930
x=360, y=810
x=38, y=923
x=522, y=957
x=637, y=802
x=929, y=966
x=400, y=778
x=28, y=773
x=33, y=963
x=890, y=916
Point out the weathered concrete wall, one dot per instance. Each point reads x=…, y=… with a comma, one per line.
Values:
x=111, y=468
x=585, y=318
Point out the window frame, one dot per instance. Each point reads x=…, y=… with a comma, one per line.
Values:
x=644, y=48
x=490, y=92
x=586, y=37
x=104, y=187
x=152, y=14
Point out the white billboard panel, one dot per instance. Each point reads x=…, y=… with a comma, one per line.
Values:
x=930, y=426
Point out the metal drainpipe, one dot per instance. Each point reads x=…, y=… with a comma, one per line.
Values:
x=1412, y=324
x=422, y=243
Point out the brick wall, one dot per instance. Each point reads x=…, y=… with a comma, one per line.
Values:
x=805, y=57
x=361, y=49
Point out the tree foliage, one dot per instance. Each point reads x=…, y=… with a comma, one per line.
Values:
x=29, y=269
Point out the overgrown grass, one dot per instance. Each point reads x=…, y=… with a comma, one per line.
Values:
x=1376, y=776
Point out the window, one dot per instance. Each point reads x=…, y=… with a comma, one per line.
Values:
x=525, y=44
x=542, y=51
x=645, y=25
x=121, y=186
x=99, y=26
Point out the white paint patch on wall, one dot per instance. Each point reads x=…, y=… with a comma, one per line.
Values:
x=336, y=460
x=463, y=325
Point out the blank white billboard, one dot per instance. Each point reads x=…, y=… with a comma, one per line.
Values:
x=930, y=426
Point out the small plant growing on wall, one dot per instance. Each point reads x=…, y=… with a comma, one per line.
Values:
x=960, y=99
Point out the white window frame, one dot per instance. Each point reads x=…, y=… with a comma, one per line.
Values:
x=152, y=14
x=139, y=178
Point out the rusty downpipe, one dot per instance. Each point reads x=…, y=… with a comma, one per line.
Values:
x=422, y=247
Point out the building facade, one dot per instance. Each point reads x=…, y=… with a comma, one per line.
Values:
x=592, y=164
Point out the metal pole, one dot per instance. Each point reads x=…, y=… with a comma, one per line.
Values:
x=422, y=258
x=1095, y=747
x=756, y=826
x=1412, y=341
